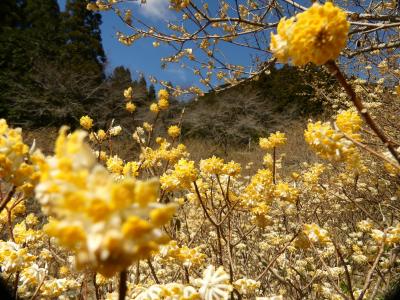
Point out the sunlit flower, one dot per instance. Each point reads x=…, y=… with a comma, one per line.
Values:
x=214, y=284
x=86, y=122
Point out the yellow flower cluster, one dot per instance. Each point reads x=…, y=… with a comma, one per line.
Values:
x=86, y=122
x=285, y=192
x=331, y=144
x=174, y=131
x=18, y=209
x=349, y=122
x=316, y=35
x=315, y=233
x=179, y=4
x=390, y=237
x=183, y=175
x=153, y=157
x=184, y=255
x=131, y=169
x=213, y=165
x=274, y=140
x=260, y=189
x=17, y=165
x=128, y=93
x=115, y=164
x=154, y=108
x=246, y=286
x=130, y=106
x=169, y=291
x=216, y=166
x=163, y=97
x=14, y=258
x=107, y=224
x=214, y=285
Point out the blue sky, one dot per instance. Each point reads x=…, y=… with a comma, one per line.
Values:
x=141, y=56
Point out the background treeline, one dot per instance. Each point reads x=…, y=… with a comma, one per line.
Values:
x=52, y=66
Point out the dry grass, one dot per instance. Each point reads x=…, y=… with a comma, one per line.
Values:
x=296, y=150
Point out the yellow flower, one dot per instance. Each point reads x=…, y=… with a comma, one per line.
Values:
x=350, y=123
x=17, y=165
x=86, y=122
x=212, y=165
x=163, y=103
x=114, y=131
x=183, y=175
x=107, y=223
x=136, y=227
x=274, y=140
x=101, y=135
x=316, y=35
x=232, y=168
x=161, y=216
x=286, y=193
x=154, y=108
x=131, y=169
x=131, y=107
x=179, y=4
x=279, y=41
x=128, y=93
x=163, y=94
x=174, y=131
x=398, y=90
x=330, y=144
x=315, y=233
x=115, y=164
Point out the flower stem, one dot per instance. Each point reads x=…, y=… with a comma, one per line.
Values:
x=332, y=66
x=122, y=285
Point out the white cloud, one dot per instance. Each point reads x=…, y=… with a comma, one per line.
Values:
x=177, y=72
x=156, y=9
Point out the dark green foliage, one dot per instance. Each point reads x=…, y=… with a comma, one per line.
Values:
x=83, y=48
x=10, y=14
x=51, y=63
x=140, y=91
x=152, y=92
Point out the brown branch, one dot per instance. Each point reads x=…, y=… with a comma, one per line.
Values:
x=332, y=66
x=123, y=276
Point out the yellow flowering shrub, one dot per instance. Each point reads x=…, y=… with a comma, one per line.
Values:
x=316, y=35
x=103, y=221
x=174, y=226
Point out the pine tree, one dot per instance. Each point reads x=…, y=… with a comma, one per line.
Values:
x=13, y=59
x=121, y=77
x=83, y=36
x=42, y=19
x=140, y=90
x=152, y=92
x=10, y=13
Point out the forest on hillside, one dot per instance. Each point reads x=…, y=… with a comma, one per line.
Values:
x=53, y=66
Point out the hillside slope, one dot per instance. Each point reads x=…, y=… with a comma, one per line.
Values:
x=254, y=108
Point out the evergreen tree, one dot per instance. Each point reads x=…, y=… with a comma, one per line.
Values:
x=10, y=13
x=152, y=92
x=121, y=77
x=83, y=48
x=142, y=82
x=42, y=19
x=14, y=62
x=140, y=90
